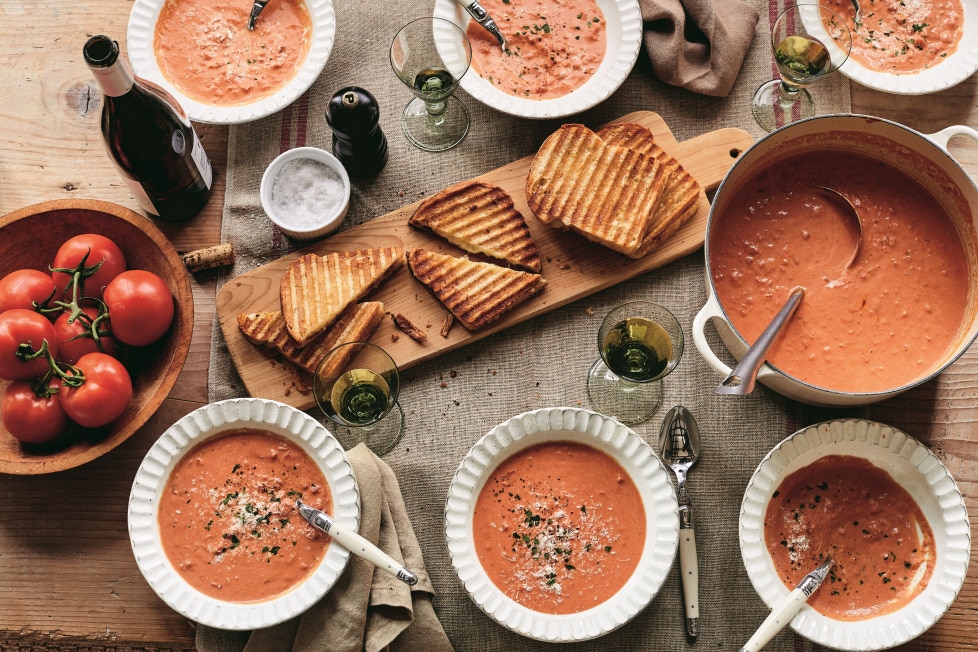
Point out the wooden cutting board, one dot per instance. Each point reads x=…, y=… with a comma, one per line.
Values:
x=573, y=266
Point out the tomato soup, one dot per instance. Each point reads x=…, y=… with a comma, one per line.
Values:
x=553, y=46
x=205, y=49
x=902, y=36
x=228, y=520
x=887, y=320
x=881, y=544
x=559, y=527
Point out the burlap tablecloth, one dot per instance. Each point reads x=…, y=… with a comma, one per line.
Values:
x=449, y=403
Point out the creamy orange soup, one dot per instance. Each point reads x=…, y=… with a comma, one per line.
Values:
x=881, y=544
x=559, y=527
x=553, y=46
x=884, y=322
x=228, y=520
x=204, y=48
x=902, y=36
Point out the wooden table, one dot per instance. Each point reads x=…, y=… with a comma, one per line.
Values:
x=67, y=575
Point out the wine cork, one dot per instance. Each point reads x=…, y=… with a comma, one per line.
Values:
x=209, y=257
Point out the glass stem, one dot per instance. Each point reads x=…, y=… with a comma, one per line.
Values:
x=435, y=108
x=788, y=95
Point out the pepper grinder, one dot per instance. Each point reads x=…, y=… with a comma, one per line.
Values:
x=358, y=141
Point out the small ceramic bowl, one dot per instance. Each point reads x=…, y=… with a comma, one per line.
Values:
x=306, y=193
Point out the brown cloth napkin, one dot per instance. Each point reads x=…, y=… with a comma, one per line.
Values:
x=369, y=609
x=698, y=44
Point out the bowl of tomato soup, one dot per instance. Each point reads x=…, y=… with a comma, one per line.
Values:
x=886, y=510
x=900, y=314
x=562, y=524
x=563, y=57
x=212, y=513
x=910, y=48
x=202, y=53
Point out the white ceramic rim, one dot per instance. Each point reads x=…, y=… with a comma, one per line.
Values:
x=623, y=19
x=953, y=70
x=614, y=439
x=139, y=40
x=151, y=478
x=330, y=222
x=915, y=468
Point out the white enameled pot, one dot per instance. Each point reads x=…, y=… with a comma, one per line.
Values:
x=924, y=157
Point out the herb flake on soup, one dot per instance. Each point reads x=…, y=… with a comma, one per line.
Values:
x=553, y=46
x=559, y=527
x=228, y=521
x=881, y=543
x=205, y=49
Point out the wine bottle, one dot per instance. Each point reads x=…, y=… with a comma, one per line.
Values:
x=149, y=138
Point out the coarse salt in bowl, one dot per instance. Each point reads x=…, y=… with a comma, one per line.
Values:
x=306, y=193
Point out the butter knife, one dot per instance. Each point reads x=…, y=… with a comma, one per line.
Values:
x=355, y=543
x=782, y=614
x=481, y=16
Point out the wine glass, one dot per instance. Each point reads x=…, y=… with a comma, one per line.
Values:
x=809, y=41
x=430, y=55
x=356, y=386
x=640, y=343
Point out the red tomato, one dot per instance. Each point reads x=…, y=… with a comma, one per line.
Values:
x=22, y=287
x=140, y=307
x=95, y=250
x=31, y=418
x=75, y=338
x=24, y=327
x=104, y=394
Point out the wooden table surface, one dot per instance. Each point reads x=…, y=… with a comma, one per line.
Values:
x=67, y=575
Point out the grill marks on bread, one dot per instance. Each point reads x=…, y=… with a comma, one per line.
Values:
x=316, y=289
x=477, y=293
x=625, y=192
x=480, y=218
x=355, y=324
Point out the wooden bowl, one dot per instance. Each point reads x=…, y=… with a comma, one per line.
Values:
x=29, y=238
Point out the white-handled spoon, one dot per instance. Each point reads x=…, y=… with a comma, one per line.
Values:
x=782, y=614
x=355, y=543
x=679, y=447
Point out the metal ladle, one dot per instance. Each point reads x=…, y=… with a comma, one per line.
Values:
x=742, y=378
x=854, y=215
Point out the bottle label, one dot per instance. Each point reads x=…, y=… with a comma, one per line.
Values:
x=141, y=197
x=200, y=159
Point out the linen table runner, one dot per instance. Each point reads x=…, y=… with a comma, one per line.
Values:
x=450, y=402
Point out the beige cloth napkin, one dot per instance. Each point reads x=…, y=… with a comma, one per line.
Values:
x=369, y=609
x=698, y=45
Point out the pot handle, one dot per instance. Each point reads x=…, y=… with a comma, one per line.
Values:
x=710, y=310
x=942, y=137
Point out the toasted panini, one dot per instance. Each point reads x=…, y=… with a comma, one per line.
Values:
x=477, y=293
x=604, y=192
x=316, y=289
x=678, y=203
x=355, y=324
x=480, y=218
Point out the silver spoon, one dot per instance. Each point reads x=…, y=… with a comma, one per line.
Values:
x=858, y=18
x=854, y=215
x=256, y=10
x=679, y=446
x=482, y=17
x=741, y=378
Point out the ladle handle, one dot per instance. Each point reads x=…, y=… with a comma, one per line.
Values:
x=742, y=378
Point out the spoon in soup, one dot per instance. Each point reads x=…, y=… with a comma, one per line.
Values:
x=782, y=614
x=742, y=377
x=355, y=543
x=853, y=215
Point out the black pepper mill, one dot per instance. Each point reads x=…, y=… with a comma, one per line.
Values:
x=358, y=141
